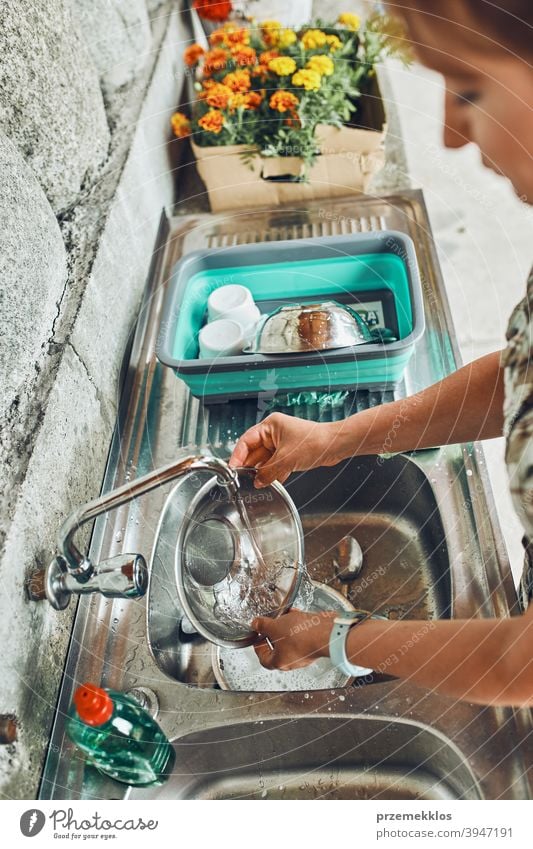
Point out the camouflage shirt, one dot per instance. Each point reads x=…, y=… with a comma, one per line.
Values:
x=518, y=424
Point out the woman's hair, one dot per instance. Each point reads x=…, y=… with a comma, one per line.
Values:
x=485, y=25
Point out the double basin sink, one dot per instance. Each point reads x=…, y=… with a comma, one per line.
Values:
x=389, y=507
x=431, y=550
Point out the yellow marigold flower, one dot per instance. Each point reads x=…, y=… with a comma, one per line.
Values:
x=238, y=81
x=283, y=66
x=212, y=121
x=310, y=80
x=350, y=21
x=313, y=38
x=323, y=65
x=266, y=25
x=181, y=126
x=244, y=55
x=217, y=95
x=334, y=43
x=270, y=32
x=286, y=38
x=283, y=101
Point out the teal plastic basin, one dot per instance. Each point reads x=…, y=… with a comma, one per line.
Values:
x=359, y=269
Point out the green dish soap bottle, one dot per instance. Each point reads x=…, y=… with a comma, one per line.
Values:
x=119, y=737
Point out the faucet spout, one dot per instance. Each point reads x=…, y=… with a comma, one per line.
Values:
x=125, y=576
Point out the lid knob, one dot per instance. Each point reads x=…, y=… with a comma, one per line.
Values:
x=93, y=705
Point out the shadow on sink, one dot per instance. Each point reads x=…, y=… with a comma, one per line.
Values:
x=317, y=758
x=387, y=506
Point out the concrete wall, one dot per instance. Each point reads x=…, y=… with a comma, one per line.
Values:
x=86, y=91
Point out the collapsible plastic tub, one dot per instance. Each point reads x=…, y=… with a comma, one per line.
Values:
x=376, y=273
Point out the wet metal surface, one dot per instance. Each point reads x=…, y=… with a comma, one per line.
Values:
x=441, y=556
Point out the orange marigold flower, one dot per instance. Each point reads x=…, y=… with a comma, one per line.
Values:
x=213, y=10
x=218, y=36
x=238, y=81
x=181, y=126
x=259, y=72
x=265, y=57
x=237, y=36
x=254, y=100
x=246, y=100
x=212, y=121
x=192, y=54
x=283, y=101
x=244, y=55
x=293, y=121
x=217, y=95
x=215, y=60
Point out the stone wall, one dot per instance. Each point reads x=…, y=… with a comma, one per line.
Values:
x=86, y=91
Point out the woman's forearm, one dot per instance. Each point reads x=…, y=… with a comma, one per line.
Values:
x=442, y=655
x=465, y=406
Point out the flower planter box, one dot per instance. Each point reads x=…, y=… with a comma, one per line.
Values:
x=350, y=156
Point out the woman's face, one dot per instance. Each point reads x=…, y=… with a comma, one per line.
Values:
x=489, y=101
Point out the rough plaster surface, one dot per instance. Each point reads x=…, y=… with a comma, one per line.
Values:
x=118, y=36
x=51, y=105
x=108, y=237
x=33, y=275
x=72, y=443
x=33, y=271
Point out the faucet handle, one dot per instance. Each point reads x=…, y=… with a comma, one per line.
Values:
x=123, y=576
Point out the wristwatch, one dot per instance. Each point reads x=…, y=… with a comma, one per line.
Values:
x=337, y=641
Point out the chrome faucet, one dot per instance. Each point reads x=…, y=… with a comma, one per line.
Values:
x=126, y=575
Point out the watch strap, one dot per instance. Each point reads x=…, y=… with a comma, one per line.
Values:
x=337, y=643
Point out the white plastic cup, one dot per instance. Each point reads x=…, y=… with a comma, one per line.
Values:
x=221, y=338
x=234, y=302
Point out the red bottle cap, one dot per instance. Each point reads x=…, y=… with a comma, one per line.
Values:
x=94, y=705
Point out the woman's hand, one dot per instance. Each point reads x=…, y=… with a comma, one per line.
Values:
x=298, y=638
x=283, y=444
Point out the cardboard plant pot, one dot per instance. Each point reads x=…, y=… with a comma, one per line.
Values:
x=349, y=157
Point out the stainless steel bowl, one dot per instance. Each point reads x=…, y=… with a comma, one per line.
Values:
x=300, y=328
x=238, y=556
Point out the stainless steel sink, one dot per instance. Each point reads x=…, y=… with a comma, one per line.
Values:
x=432, y=548
x=317, y=758
x=389, y=507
